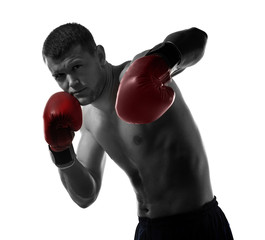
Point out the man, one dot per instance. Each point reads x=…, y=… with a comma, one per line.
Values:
x=134, y=113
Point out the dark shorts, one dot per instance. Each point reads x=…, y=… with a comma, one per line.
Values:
x=207, y=223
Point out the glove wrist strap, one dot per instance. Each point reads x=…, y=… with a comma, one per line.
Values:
x=63, y=159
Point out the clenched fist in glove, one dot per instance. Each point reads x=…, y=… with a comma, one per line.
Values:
x=62, y=116
x=143, y=96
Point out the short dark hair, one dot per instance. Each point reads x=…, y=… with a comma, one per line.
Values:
x=65, y=37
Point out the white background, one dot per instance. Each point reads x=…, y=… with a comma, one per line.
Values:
x=224, y=91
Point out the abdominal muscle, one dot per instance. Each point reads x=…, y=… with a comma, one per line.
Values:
x=167, y=166
x=169, y=176
x=166, y=187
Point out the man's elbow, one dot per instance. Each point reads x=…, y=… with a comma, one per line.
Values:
x=200, y=32
x=199, y=40
x=85, y=202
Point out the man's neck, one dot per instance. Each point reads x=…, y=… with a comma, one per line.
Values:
x=107, y=99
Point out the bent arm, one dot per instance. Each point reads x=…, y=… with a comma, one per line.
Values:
x=83, y=179
x=182, y=49
x=191, y=44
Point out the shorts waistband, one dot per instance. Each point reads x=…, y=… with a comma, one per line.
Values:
x=181, y=216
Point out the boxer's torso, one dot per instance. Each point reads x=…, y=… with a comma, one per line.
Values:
x=165, y=160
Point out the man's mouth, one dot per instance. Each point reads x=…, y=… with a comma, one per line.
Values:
x=78, y=92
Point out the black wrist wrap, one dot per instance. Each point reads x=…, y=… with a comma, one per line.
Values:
x=63, y=159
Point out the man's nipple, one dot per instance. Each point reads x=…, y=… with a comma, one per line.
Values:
x=137, y=140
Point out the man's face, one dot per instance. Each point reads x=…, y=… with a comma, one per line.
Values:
x=79, y=73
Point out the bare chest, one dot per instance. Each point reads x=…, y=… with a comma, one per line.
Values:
x=133, y=146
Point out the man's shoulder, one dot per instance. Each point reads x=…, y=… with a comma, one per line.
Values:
x=121, y=69
x=125, y=65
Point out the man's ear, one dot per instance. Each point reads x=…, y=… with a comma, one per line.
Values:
x=101, y=55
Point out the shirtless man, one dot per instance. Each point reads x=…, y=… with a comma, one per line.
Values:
x=155, y=142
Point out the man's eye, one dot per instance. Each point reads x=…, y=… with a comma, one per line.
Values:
x=59, y=77
x=74, y=68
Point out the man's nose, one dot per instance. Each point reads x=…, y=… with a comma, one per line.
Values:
x=72, y=80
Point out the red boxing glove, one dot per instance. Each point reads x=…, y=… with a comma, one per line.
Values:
x=142, y=96
x=62, y=116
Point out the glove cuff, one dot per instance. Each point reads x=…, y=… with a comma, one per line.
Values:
x=168, y=51
x=63, y=159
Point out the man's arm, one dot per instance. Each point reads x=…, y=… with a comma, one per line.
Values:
x=182, y=49
x=81, y=174
x=143, y=85
x=83, y=179
x=191, y=43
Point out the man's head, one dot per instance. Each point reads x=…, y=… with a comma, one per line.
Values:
x=65, y=37
x=76, y=63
